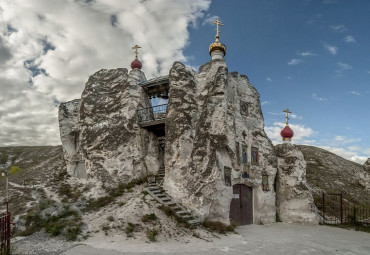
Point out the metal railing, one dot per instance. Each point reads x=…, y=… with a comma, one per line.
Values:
x=5, y=233
x=154, y=113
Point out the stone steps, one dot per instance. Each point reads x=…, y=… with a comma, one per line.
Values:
x=164, y=199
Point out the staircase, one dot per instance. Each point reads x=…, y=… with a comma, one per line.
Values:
x=155, y=189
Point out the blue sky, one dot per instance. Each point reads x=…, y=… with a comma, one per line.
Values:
x=310, y=56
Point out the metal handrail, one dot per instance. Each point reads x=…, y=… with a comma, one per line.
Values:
x=153, y=113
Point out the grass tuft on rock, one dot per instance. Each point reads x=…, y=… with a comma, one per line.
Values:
x=152, y=234
x=219, y=227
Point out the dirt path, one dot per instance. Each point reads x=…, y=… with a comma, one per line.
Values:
x=253, y=239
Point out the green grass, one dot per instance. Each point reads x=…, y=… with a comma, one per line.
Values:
x=130, y=228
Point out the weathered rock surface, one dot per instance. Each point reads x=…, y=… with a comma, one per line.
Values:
x=331, y=173
x=294, y=200
x=69, y=117
x=366, y=166
x=114, y=147
x=204, y=126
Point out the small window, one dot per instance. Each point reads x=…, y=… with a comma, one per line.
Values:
x=255, y=156
x=227, y=176
x=265, y=182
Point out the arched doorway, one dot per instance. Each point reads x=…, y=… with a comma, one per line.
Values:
x=241, y=206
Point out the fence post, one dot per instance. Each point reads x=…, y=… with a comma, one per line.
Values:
x=354, y=215
x=8, y=234
x=323, y=206
x=341, y=208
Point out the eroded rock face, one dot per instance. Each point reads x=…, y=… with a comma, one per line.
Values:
x=366, y=165
x=114, y=147
x=69, y=116
x=212, y=117
x=293, y=197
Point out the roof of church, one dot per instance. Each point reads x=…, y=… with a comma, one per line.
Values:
x=155, y=81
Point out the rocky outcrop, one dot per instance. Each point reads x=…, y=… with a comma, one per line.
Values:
x=213, y=117
x=101, y=138
x=113, y=145
x=366, y=166
x=69, y=116
x=293, y=197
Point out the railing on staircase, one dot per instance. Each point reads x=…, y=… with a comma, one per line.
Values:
x=153, y=113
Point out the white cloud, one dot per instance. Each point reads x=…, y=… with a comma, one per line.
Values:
x=317, y=98
x=288, y=77
x=355, y=93
x=269, y=79
x=48, y=54
x=209, y=19
x=346, y=153
x=332, y=49
x=349, y=39
x=339, y=28
x=294, y=61
x=306, y=54
x=265, y=102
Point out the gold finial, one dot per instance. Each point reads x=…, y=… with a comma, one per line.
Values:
x=287, y=115
x=135, y=48
x=217, y=23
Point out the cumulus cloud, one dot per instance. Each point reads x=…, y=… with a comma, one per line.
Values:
x=50, y=48
x=317, y=98
x=349, y=39
x=332, y=49
x=294, y=61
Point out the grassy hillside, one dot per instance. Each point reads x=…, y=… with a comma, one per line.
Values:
x=31, y=169
x=334, y=174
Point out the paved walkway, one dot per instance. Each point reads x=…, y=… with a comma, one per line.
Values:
x=253, y=239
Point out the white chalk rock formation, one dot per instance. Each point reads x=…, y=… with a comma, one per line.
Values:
x=213, y=116
x=293, y=197
x=113, y=145
x=100, y=134
x=366, y=166
x=69, y=116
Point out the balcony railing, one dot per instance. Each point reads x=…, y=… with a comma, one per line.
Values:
x=154, y=113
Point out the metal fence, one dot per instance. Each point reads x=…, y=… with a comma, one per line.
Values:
x=335, y=210
x=154, y=113
x=5, y=233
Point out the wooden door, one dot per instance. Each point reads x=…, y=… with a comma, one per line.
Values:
x=241, y=207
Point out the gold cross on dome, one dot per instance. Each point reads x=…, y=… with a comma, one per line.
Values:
x=287, y=114
x=217, y=23
x=135, y=48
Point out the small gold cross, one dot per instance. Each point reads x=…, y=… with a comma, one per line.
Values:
x=287, y=115
x=217, y=23
x=135, y=48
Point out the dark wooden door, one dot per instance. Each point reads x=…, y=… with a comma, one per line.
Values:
x=241, y=207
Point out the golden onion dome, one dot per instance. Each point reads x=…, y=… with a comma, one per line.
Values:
x=217, y=45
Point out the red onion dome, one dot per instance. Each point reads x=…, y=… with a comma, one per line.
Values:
x=136, y=64
x=287, y=133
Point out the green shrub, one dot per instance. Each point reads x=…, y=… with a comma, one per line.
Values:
x=110, y=218
x=152, y=234
x=149, y=217
x=14, y=170
x=129, y=229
